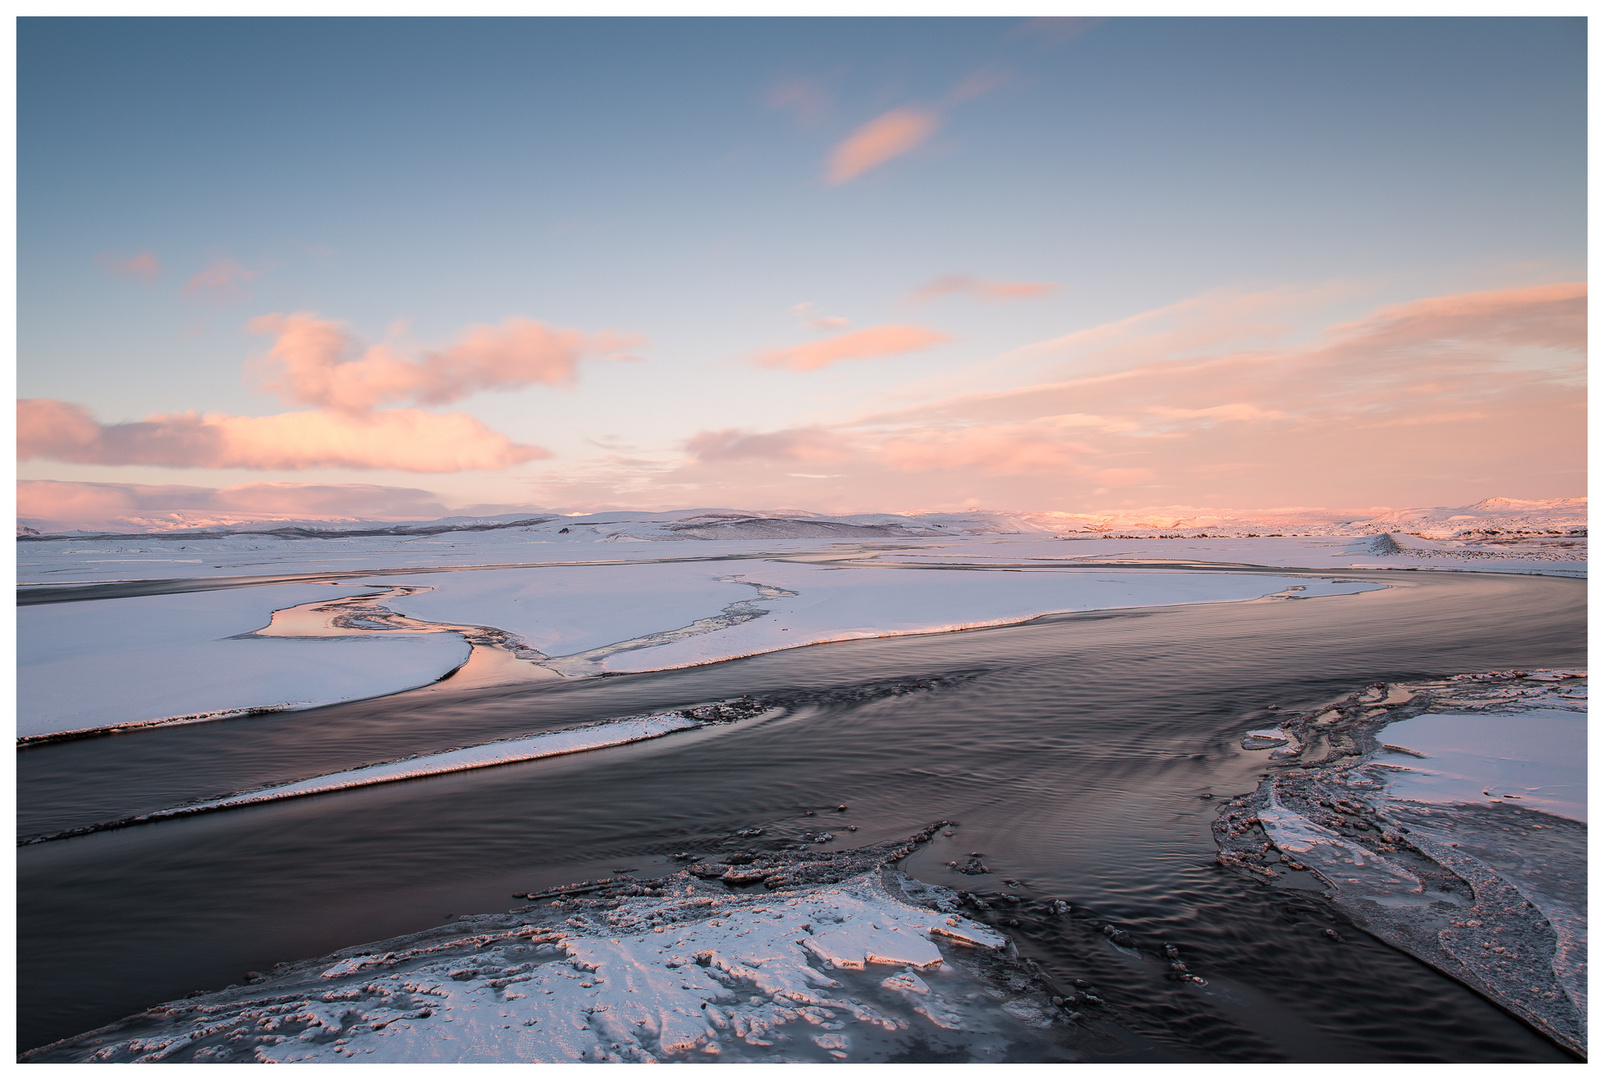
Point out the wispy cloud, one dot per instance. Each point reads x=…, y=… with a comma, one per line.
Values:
x=223, y=282
x=805, y=312
x=976, y=84
x=901, y=130
x=980, y=289
x=1037, y=446
x=805, y=99
x=795, y=444
x=873, y=341
x=1205, y=399
x=144, y=266
x=885, y=137
x=1054, y=30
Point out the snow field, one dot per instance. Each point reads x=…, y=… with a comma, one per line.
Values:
x=103, y=663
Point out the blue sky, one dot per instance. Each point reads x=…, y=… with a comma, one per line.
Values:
x=670, y=181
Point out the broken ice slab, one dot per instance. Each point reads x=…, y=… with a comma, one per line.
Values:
x=1264, y=738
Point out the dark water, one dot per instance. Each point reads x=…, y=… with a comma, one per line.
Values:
x=1074, y=758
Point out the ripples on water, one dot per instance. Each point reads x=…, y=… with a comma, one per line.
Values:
x=1074, y=759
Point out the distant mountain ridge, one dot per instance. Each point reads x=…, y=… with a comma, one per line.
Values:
x=1489, y=517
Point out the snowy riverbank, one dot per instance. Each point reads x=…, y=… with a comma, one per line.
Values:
x=191, y=624
x=846, y=960
x=1448, y=819
x=181, y=647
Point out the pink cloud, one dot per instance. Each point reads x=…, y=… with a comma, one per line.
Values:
x=887, y=136
x=804, y=311
x=1054, y=30
x=1009, y=449
x=1435, y=401
x=316, y=362
x=1039, y=447
x=406, y=439
x=1236, y=410
x=1541, y=316
x=804, y=99
x=56, y=505
x=980, y=82
x=796, y=444
x=48, y=428
x=223, y=282
x=874, y=341
x=980, y=289
x=145, y=266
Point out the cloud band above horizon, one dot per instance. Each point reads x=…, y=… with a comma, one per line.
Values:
x=317, y=362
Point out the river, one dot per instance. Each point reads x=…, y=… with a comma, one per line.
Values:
x=1073, y=751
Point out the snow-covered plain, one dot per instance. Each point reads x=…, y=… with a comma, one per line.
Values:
x=595, y=619
x=1493, y=534
x=136, y=659
x=1491, y=517
x=105, y=663
x=626, y=592
x=681, y=975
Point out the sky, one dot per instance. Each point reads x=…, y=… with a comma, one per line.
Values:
x=403, y=268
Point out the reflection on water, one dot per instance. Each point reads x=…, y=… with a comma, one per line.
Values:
x=1075, y=754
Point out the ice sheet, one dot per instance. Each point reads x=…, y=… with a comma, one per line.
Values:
x=1535, y=759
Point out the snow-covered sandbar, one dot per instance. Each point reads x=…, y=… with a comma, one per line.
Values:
x=851, y=961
